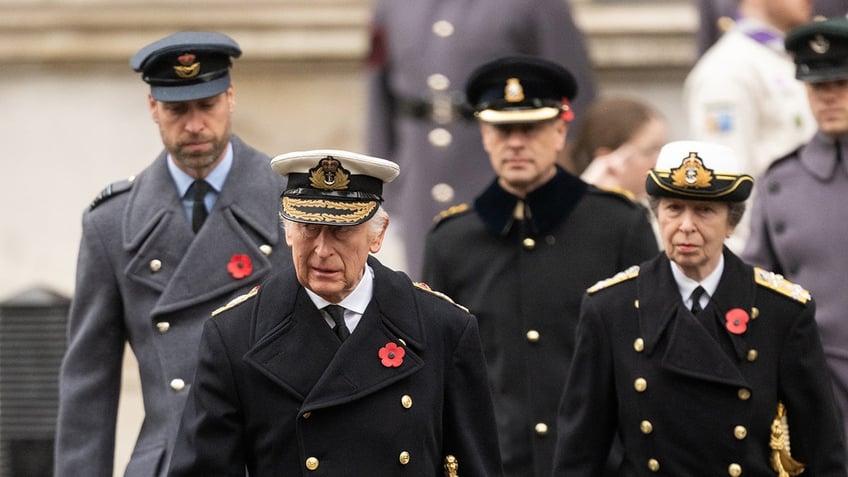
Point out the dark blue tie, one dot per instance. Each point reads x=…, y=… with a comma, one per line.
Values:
x=198, y=208
x=696, y=300
x=336, y=312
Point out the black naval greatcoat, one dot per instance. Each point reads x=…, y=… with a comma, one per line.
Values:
x=278, y=394
x=524, y=280
x=688, y=395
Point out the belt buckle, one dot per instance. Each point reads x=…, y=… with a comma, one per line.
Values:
x=443, y=109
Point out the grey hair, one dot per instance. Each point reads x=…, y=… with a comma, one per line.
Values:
x=735, y=210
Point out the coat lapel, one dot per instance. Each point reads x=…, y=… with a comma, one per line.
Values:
x=690, y=349
x=303, y=356
x=196, y=268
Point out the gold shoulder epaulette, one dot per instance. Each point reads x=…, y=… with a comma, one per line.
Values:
x=619, y=277
x=426, y=288
x=619, y=191
x=781, y=285
x=450, y=212
x=238, y=300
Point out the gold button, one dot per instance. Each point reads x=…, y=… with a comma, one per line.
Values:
x=640, y=385
x=163, y=326
x=740, y=432
x=533, y=336
x=752, y=355
x=735, y=470
x=177, y=384
x=440, y=137
x=312, y=463
x=639, y=345
x=155, y=265
x=442, y=193
x=541, y=429
x=636, y=304
x=654, y=465
x=744, y=394
x=266, y=249
x=646, y=427
x=529, y=243
x=403, y=458
x=307, y=415
x=443, y=28
x=438, y=82
x=406, y=401
x=755, y=312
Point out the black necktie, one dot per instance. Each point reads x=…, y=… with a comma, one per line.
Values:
x=838, y=146
x=336, y=312
x=696, y=300
x=198, y=209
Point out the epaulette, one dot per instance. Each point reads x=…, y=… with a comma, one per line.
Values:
x=426, y=288
x=113, y=189
x=620, y=194
x=781, y=285
x=619, y=190
x=792, y=154
x=237, y=300
x=619, y=277
x=450, y=212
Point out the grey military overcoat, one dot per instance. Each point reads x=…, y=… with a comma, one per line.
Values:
x=144, y=278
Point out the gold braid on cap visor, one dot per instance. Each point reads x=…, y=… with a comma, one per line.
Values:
x=353, y=211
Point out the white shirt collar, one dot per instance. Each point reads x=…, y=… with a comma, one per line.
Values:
x=355, y=303
x=686, y=285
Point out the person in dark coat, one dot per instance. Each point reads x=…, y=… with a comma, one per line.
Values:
x=422, y=52
x=798, y=218
x=521, y=256
x=340, y=366
x=155, y=259
x=701, y=363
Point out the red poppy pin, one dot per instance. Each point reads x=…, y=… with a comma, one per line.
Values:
x=567, y=113
x=391, y=355
x=736, y=321
x=240, y=266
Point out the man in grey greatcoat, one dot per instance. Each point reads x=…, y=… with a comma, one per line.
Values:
x=798, y=219
x=422, y=53
x=159, y=253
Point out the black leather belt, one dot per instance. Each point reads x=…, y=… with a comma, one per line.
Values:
x=438, y=110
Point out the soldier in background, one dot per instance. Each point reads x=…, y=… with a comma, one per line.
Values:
x=522, y=254
x=421, y=55
x=743, y=93
x=799, y=221
x=159, y=253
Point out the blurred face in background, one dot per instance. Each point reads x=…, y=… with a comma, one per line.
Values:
x=788, y=14
x=524, y=155
x=641, y=153
x=829, y=103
